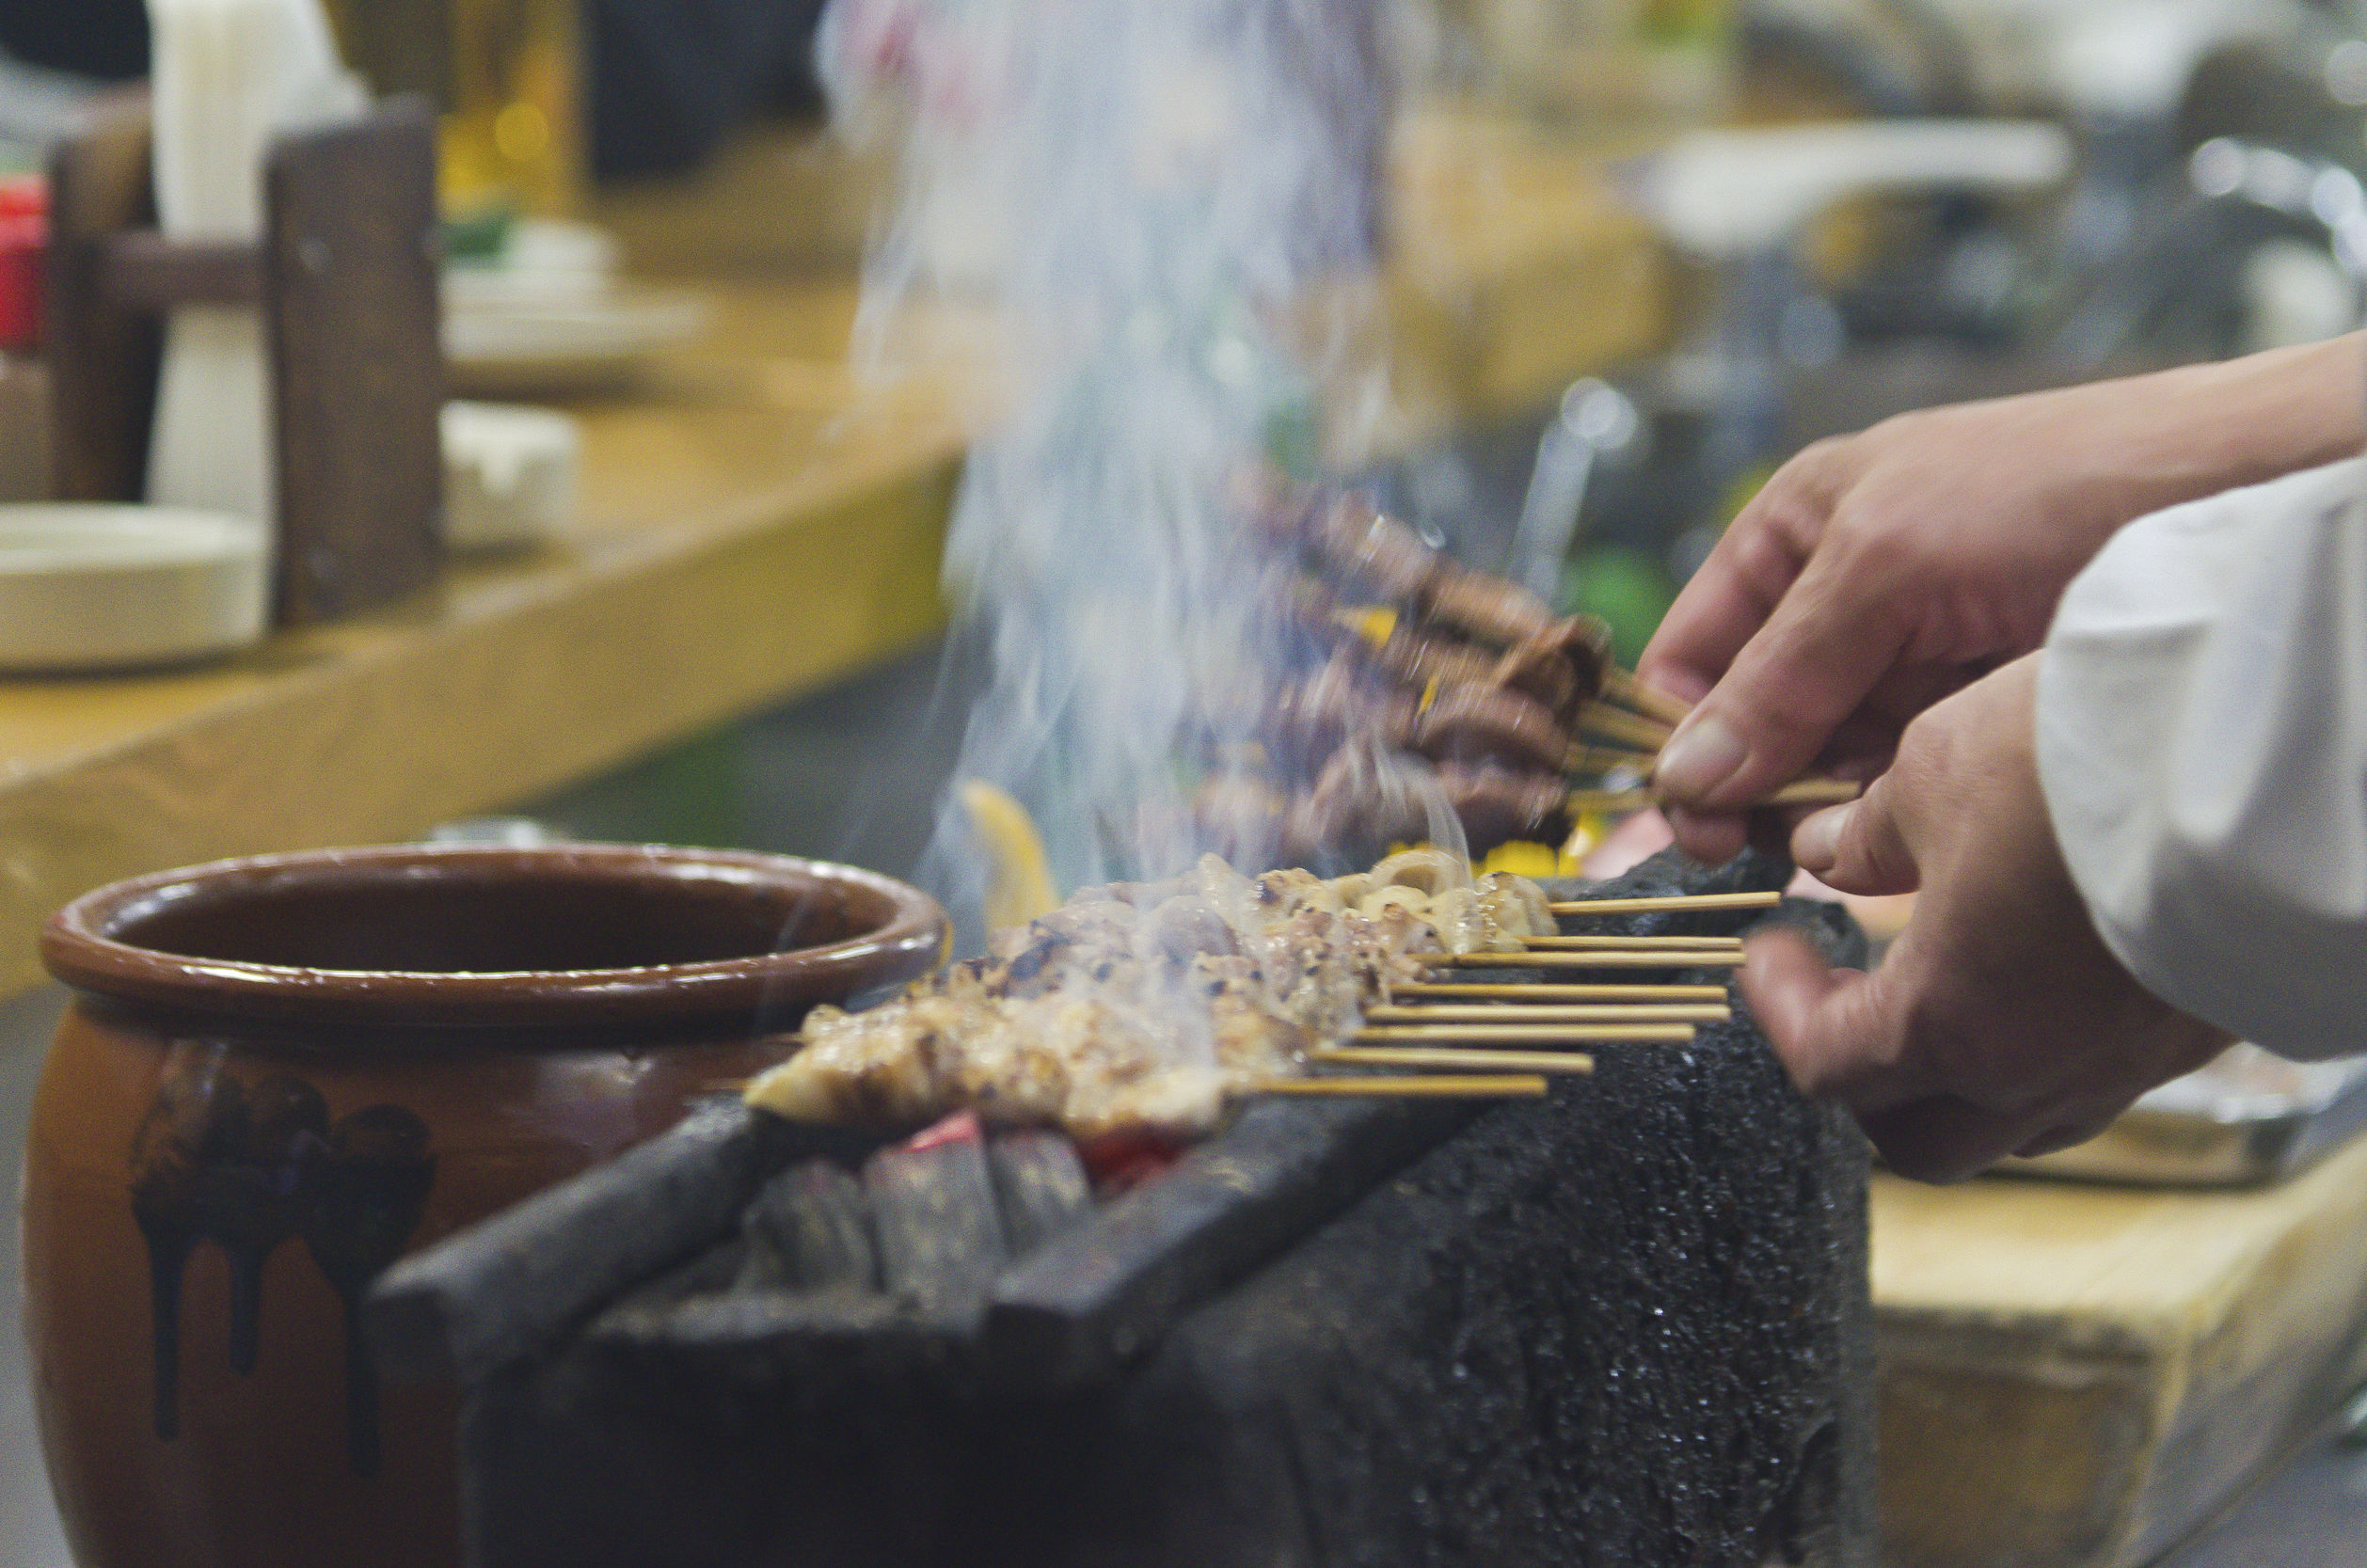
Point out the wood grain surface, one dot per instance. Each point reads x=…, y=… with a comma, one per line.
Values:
x=356, y=390
x=103, y=359
x=2080, y=1376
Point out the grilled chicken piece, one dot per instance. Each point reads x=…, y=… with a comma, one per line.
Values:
x=1478, y=723
x=1427, y=870
x=1488, y=607
x=1107, y=1016
x=1497, y=807
x=1309, y=719
x=1355, y=537
x=1562, y=667
x=1516, y=905
x=1418, y=658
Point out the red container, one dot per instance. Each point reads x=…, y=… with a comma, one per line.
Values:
x=23, y=242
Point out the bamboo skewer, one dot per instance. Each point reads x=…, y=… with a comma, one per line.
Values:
x=1800, y=792
x=1617, y=723
x=1439, y=1086
x=1456, y=1056
x=1606, y=759
x=1660, y=958
x=1676, y=902
x=1544, y=992
x=1521, y=1034
x=1497, y=1012
x=1592, y=943
x=1622, y=688
x=1816, y=792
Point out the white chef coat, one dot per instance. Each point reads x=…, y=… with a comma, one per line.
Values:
x=2202, y=744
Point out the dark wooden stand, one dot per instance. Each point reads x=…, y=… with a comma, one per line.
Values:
x=345, y=277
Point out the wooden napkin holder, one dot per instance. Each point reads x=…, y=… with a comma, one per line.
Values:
x=345, y=277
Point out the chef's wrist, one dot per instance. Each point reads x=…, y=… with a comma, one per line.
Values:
x=2200, y=430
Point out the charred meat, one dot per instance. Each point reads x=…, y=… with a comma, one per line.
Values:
x=1146, y=1005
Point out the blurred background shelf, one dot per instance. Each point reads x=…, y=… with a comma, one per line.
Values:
x=753, y=525
x=736, y=546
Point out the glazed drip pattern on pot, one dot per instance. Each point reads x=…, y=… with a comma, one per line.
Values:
x=251, y=1166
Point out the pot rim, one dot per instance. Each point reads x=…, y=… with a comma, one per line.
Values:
x=79, y=946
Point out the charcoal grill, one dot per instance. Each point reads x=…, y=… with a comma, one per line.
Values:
x=1625, y=1325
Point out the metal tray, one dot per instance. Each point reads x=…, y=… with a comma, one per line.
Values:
x=2246, y=1119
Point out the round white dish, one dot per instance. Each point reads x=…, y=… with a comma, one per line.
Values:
x=558, y=346
x=87, y=587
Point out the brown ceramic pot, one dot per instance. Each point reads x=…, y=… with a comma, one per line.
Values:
x=281, y=1074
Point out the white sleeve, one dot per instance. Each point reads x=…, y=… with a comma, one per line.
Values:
x=2202, y=744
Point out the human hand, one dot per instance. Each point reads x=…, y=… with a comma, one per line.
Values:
x=1998, y=1023
x=1878, y=573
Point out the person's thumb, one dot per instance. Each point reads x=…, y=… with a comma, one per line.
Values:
x=1822, y=649
x=1861, y=847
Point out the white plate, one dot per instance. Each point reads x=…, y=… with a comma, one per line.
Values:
x=91, y=587
x=558, y=346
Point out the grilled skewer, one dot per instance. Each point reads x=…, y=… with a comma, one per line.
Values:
x=1614, y=945
x=1548, y=993
x=1456, y=1056
x=1431, y=1087
x=1521, y=1034
x=1610, y=1012
x=1800, y=792
x=1662, y=959
x=1669, y=903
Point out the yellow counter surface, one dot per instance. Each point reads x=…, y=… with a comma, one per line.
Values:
x=2080, y=1376
x=743, y=537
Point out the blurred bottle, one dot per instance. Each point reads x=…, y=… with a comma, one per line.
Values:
x=507, y=76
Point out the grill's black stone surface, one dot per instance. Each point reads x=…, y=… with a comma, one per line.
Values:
x=1040, y=1184
x=939, y=1227
x=809, y=1228
x=1624, y=1325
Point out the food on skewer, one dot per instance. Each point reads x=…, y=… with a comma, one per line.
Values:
x=1148, y=1004
x=1486, y=723
x=1431, y=657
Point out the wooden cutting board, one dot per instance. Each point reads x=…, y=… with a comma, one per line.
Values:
x=2079, y=1377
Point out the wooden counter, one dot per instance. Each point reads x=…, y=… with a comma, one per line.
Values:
x=2079, y=1377
x=744, y=537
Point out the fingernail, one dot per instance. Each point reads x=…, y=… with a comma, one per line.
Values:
x=1700, y=755
x=1815, y=844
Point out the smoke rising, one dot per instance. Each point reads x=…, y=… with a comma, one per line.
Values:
x=1160, y=215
